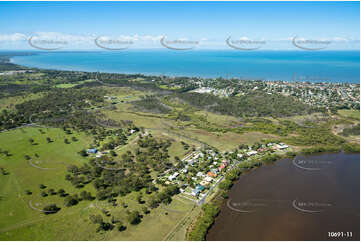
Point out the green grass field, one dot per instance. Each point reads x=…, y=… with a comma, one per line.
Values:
x=70, y=85
x=21, y=218
x=10, y=102
x=354, y=114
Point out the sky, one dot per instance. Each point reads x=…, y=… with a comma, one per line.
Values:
x=258, y=25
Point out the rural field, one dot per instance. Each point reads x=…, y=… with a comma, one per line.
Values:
x=23, y=218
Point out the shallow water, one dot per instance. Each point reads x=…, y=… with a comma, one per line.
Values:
x=304, y=199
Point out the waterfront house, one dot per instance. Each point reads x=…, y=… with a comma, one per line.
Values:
x=195, y=192
x=221, y=167
x=208, y=179
x=215, y=171
x=211, y=174
x=200, y=187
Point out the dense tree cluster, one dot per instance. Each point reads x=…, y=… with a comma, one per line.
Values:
x=255, y=104
x=199, y=231
x=57, y=108
x=353, y=130
x=151, y=104
x=113, y=178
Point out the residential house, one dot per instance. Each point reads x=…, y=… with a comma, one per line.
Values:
x=211, y=174
x=208, y=179
x=92, y=151
x=221, y=167
x=252, y=152
x=172, y=177
x=282, y=146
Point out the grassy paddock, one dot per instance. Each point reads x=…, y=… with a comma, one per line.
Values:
x=354, y=114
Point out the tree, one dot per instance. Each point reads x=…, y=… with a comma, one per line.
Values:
x=50, y=209
x=73, y=169
x=51, y=191
x=83, y=152
x=112, y=153
x=153, y=201
x=145, y=210
x=134, y=217
x=225, y=185
x=105, y=226
x=70, y=201
x=96, y=219
x=48, y=139
x=102, y=195
x=42, y=186
x=86, y=195
x=139, y=198
x=61, y=192
x=121, y=226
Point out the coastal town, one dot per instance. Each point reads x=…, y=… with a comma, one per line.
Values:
x=317, y=94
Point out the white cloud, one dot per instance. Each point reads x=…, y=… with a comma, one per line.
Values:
x=13, y=37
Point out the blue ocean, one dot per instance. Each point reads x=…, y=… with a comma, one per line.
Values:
x=314, y=66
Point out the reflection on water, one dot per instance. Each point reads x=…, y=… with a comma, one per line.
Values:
x=300, y=199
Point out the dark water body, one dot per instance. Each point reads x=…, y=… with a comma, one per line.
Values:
x=314, y=66
x=300, y=200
